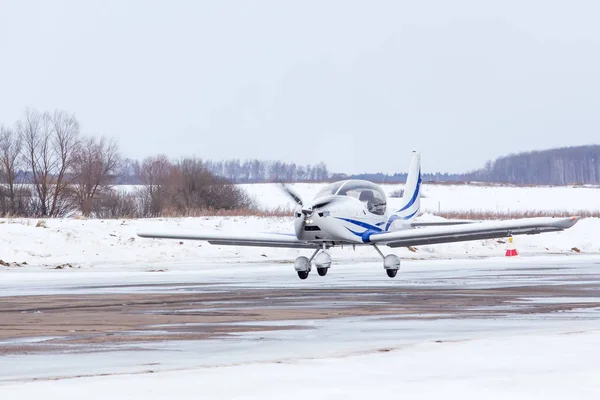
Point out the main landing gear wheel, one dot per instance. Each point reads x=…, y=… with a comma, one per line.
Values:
x=304, y=274
x=391, y=262
x=322, y=271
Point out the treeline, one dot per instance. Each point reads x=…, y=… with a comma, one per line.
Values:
x=401, y=177
x=49, y=169
x=256, y=171
x=253, y=171
x=561, y=166
x=248, y=171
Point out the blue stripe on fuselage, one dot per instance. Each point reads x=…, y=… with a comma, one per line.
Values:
x=360, y=223
x=395, y=217
x=366, y=235
x=359, y=234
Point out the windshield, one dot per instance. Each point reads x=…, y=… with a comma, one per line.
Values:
x=330, y=189
x=365, y=191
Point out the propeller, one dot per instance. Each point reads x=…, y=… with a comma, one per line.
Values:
x=295, y=196
x=291, y=192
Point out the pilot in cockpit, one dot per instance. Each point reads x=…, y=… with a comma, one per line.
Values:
x=367, y=196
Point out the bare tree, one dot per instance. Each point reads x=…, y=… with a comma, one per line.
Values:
x=10, y=150
x=154, y=174
x=185, y=188
x=34, y=131
x=65, y=141
x=49, y=145
x=116, y=204
x=193, y=187
x=95, y=162
x=189, y=185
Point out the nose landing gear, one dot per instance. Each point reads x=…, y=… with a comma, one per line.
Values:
x=302, y=274
x=322, y=262
x=302, y=267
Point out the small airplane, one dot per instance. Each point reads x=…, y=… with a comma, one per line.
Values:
x=354, y=212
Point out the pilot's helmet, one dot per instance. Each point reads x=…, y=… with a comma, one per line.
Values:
x=366, y=195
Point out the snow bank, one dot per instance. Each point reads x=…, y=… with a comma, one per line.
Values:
x=114, y=242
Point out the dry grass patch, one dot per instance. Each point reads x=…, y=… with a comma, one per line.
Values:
x=241, y=212
x=498, y=215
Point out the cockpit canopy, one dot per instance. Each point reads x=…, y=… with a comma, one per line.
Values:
x=365, y=191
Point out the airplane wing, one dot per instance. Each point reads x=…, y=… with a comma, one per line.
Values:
x=219, y=238
x=418, y=224
x=474, y=231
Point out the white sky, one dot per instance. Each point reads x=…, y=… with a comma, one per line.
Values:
x=355, y=84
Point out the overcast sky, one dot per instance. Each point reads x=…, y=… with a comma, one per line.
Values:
x=355, y=84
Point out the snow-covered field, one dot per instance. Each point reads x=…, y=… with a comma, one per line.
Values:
x=510, y=355
x=459, y=197
x=95, y=242
x=84, y=243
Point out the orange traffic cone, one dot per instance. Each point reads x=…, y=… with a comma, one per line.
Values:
x=510, y=248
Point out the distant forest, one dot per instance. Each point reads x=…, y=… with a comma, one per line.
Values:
x=566, y=165
x=561, y=166
x=254, y=171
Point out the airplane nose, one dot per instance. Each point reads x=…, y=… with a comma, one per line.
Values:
x=307, y=211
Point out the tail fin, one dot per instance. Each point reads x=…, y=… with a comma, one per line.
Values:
x=411, y=199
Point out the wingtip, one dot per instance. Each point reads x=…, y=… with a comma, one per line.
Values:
x=570, y=221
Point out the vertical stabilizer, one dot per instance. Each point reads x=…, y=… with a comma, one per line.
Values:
x=411, y=199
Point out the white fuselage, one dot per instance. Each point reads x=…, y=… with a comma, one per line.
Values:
x=344, y=220
x=338, y=219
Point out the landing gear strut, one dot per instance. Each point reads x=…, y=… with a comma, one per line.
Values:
x=391, y=262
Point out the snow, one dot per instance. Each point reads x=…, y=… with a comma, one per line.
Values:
x=85, y=243
x=515, y=356
x=558, y=300
x=516, y=367
x=457, y=197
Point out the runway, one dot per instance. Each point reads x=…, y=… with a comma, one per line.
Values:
x=189, y=316
x=188, y=311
